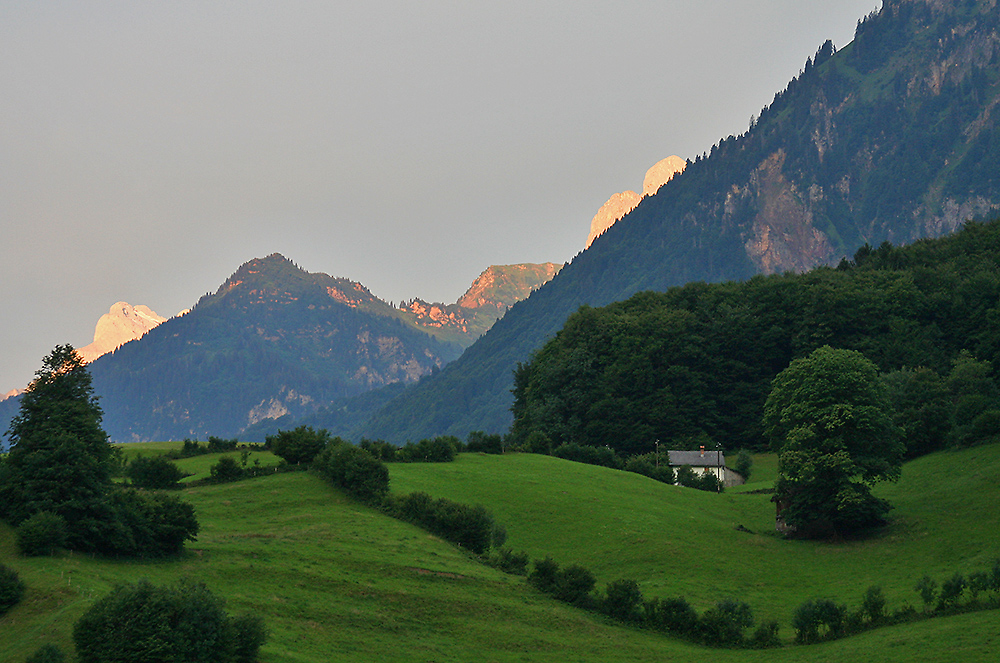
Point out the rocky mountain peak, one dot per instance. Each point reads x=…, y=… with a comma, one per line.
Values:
x=622, y=203
x=121, y=324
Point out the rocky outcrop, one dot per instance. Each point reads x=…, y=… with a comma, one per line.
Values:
x=622, y=203
x=494, y=291
x=121, y=324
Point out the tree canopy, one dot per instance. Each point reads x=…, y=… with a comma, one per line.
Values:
x=827, y=418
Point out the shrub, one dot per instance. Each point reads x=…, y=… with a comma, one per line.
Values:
x=142, y=622
x=873, y=605
x=41, y=534
x=543, y=575
x=951, y=591
x=437, y=450
x=471, y=527
x=379, y=449
x=673, y=614
x=765, y=636
x=154, y=473
x=622, y=600
x=573, y=585
x=225, y=470
x=927, y=588
x=47, y=654
x=646, y=466
x=11, y=588
x=218, y=444
x=818, y=618
x=744, y=464
x=355, y=470
x=723, y=625
x=301, y=445
x=480, y=442
x=509, y=561
x=146, y=525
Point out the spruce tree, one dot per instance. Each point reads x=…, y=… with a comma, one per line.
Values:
x=60, y=460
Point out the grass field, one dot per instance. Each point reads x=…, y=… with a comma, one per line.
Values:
x=336, y=581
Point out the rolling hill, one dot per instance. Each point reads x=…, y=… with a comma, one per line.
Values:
x=339, y=581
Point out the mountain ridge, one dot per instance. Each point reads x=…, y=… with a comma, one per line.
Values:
x=894, y=137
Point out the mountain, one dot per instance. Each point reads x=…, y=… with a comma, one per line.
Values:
x=494, y=291
x=894, y=137
x=273, y=339
x=622, y=203
x=275, y=342
x=121, y=324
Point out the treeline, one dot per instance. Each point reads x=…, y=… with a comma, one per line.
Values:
x=696, y=362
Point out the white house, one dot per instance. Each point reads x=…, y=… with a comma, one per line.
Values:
x=705, y=462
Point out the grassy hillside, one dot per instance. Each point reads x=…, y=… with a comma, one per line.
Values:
x=678, y=541
x=337, y=581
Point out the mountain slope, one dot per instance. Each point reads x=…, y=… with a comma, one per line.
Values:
x=895, y=137
x=272, y=339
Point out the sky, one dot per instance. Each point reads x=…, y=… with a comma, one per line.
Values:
x=148, y=149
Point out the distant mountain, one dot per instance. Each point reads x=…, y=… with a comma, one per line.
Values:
x=272, y=340
x=622, y=203
x=894, y=137
x=121, y=324
x=487, y=299
x=275, y=342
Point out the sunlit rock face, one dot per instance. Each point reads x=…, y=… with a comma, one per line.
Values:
x=121, y=324
x=622, y=203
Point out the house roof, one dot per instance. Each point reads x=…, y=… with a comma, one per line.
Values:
x=697, y=458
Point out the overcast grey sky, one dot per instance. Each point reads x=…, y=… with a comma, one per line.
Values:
x=147, y=149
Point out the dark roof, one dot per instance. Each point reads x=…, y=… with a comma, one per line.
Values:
x=710, y=458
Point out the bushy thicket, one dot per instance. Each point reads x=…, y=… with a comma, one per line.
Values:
x=471, y=527
x=11, y=588
x=300, y=445
x=822, y=619
x=156, y=472
x=723, y=625
x=354, y=470
x=42, y=534
x=143, y=622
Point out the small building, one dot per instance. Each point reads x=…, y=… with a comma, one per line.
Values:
x=705, y=462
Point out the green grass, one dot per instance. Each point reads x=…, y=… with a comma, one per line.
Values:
x=681, y=542
x=338, y=581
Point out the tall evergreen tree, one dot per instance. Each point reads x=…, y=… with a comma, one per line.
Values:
x=60, y=460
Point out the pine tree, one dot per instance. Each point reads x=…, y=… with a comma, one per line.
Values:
x=60, y=460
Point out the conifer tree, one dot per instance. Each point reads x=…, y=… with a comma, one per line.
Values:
x=60, y=460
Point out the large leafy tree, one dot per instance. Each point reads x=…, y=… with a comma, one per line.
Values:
x=60, y=460
x=827, y=418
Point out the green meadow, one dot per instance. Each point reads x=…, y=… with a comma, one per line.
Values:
x=337, y=581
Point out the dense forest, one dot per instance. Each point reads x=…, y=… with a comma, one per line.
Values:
x=693, y=365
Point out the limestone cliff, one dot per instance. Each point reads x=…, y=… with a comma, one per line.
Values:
x=121, y=324
x=622, y=203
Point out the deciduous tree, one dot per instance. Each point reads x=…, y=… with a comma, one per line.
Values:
x=827, y=418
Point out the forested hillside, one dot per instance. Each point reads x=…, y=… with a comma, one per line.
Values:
x=272, y=340
x=894, y=137
x=694, y=364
